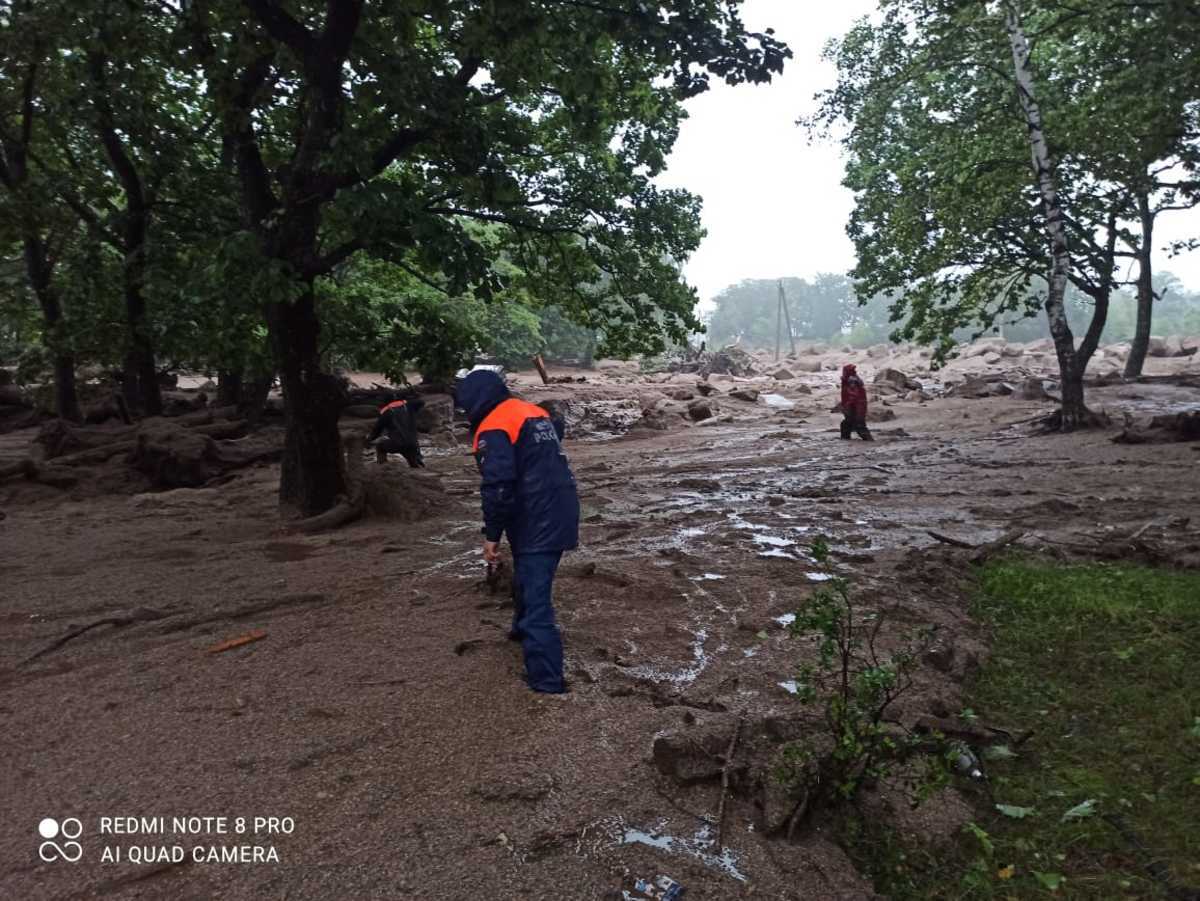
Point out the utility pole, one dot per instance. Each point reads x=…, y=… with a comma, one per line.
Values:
x=787, y=318
x=778, y=328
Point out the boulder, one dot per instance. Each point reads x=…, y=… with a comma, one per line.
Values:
x=1012, y=350
x=1177, y=348
x=877, y=350
x=896, y=379
x=746, y=394
x=784, y=375
x=652, y=420
x=699, y=410
x=730, y=360
x=1157, y=347
x=978, y=349
x=682, y=394
x=1042, y=345
x=810, y=364
x=971, y=388
x=705, y=389
x=1033, y=388
x=991, y=357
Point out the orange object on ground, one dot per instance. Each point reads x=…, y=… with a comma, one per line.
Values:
x=256, y=635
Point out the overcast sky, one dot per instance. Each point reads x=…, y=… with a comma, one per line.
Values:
x=773, y=203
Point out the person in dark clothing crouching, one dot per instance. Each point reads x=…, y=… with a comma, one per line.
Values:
x=395, y=432
x=854, y=404
x=529, y=494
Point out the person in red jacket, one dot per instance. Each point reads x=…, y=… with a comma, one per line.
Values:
x=854, y=404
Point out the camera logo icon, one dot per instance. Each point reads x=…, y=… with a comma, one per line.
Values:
x=69, y=849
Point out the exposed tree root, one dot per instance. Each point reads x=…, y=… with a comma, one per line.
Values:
x=350, y=506
x=733, y=742
x=138, y=616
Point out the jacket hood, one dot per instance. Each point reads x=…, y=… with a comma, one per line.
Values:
x=849, y=369
x=479, y=393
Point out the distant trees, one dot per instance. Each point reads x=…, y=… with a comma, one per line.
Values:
x=823, y=308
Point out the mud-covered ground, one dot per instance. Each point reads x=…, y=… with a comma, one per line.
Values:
x=385, y=713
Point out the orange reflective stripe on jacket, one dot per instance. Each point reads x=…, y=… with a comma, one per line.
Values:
x=393, y=405
x=508, y=417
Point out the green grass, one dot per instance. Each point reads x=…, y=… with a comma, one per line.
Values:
x=1103, y=663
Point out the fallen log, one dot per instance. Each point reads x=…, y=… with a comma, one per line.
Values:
x=953, y=542
x=984, y=552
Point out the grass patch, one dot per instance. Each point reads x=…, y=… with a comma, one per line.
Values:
x=1103, y=662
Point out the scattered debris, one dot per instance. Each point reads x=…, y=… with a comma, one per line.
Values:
x=248, y=638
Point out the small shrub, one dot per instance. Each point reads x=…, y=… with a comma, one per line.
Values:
x=855, y=687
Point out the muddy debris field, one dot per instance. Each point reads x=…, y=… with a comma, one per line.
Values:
x=377, y=703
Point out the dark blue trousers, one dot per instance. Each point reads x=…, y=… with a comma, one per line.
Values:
x=533, y=620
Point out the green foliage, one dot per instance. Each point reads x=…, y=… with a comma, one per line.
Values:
x=502, y=157
x=1099, y=661
x=854, y=684
x=513, y=334
x=566, y=340
x=945, y=198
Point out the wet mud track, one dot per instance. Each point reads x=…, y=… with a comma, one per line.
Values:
x=385, y=713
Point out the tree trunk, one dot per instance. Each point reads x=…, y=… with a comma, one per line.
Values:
x=312, y=476
x=37, y=268
x=229, y=388
x=1074, y=412
x=66, y=399
x=140, y=386
x=254, y=397
x=1145, y=291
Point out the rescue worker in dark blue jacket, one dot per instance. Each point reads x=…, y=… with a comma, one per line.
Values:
x=529, y=495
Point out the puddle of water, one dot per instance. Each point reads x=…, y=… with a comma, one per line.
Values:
x=778, y=552
x=708, y=577
x=700, y=846
x=786, y=620
x=818, y=577
x=777, y=401
x=773, y=540
x=686, y=676
x=790, y=686
x=749, y=652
